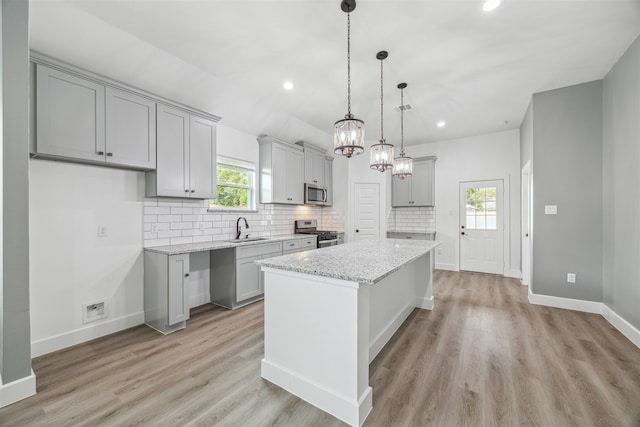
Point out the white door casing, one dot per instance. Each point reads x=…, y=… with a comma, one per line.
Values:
x=366, y=211
x=526, y=228
x=482, y=226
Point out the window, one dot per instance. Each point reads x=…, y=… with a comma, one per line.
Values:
x=236, y=185
x=481, y=211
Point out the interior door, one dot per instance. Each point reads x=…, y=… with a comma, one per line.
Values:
x=481, y=226
x=366, y=211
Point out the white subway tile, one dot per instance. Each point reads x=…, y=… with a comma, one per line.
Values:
x=150, y=218
x=181, y=211
x=181, y=225
x=181, y=240
x=169, y=233
x=157, y=211
x=169, y=218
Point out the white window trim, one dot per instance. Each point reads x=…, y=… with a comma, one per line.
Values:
x=241, y=165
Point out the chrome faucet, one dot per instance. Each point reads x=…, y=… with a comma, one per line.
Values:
x=239, y=227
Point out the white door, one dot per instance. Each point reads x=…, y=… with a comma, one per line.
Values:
x=481, y=226
x=366, y=211
x=526, y=224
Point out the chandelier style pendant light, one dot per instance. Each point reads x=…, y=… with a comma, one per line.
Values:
x=402, y=165
x=348, y=137
x=382, y=153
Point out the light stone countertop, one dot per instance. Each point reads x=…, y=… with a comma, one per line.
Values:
x=220, y=244
x=365, y=262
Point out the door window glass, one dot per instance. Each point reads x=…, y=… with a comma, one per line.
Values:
x=481, y=213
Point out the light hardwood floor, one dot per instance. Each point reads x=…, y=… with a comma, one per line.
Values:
x=483, y=357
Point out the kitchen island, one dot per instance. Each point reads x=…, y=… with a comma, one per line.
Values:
x=328, y=313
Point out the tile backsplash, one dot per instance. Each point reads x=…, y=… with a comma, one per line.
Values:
x=177, y=221
x=421, y=219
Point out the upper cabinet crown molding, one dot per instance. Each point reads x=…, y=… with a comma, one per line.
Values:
x=42, y=59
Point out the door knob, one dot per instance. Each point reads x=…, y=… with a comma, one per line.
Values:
x=357, y=231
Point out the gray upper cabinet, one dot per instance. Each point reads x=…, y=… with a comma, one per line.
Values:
x=202, y=158
x=281, y=172
x=314, y=166
x=418, y=189
x=328, y=178
x=131, y=129
x=70, y=115
x=79, y=119
x=186, y=156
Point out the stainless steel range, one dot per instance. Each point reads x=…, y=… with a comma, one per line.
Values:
x=310, y=226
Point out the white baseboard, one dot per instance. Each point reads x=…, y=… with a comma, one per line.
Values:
x=387, y=332
x=17, y=390
x=516, y=274
x=86, y=333
x=425, y=303
x=448, y=267
x=567, y=303
x=626, y=328
x=349, y=411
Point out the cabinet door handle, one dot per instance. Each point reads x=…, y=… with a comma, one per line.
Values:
x=193, y=191
x=100, y=153
x=462, y=233
x=110, y=154
x=186, y=275
x=186, y=190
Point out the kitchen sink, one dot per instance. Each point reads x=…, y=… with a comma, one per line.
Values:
x=247, y=239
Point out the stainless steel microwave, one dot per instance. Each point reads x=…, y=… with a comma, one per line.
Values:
x=315, y=194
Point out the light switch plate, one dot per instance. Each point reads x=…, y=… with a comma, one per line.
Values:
x=550, y=210
x=102, y=231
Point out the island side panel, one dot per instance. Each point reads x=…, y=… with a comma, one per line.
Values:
x=317, y=341
x=424, y=281
x=392, y=301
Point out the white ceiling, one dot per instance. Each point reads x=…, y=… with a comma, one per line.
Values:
x=472, y=69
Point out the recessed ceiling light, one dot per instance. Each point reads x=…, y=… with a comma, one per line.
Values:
x=287, y=85
x=490, y=5
x=442, y=124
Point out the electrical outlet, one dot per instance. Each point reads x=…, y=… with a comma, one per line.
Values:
x=94, y=311
x=571, y=277
x=551, y=210
x=102, y=231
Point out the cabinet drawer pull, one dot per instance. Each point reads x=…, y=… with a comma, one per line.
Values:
x=292, y=244
x=193, y=191
x=100, y=153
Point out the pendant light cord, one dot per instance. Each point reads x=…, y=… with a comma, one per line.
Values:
x=401, y=121
x=381, y=105
x=349, y=63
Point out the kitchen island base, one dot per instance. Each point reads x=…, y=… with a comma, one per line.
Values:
x=321, y=333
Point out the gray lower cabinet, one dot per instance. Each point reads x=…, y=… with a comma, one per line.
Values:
x=166, y=307
x=235, y=278
x=299, y=245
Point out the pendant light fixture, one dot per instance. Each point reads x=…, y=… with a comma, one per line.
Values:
x=402, y=165
x=348, y=137
x=382, y=153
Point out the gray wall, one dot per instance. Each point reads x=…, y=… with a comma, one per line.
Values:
x=621, y=173
x=567, y=163
x=15, y=347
